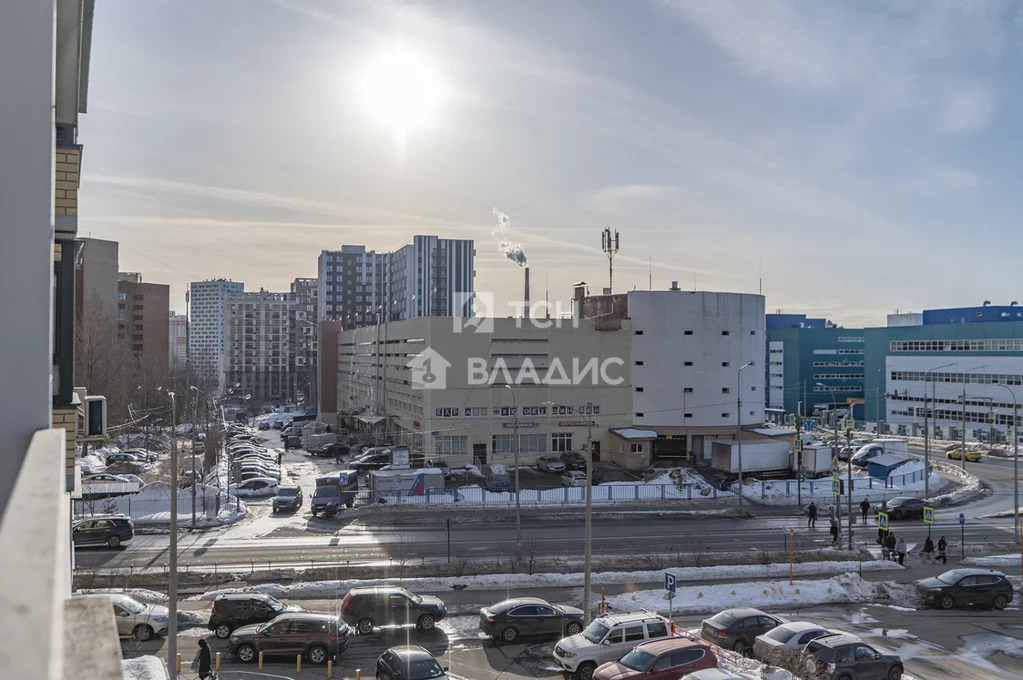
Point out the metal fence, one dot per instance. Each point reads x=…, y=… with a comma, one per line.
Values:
x=604, y=493
x=211, y=509
x=894, y=484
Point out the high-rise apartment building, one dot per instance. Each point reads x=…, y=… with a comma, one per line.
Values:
x=255, y=360
x=143, y=319
x=206, y=321
x=432, y=276
x=303, y=339
x=96, y=279
x=177, y=341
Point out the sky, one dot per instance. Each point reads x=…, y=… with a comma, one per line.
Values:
x=849, y=159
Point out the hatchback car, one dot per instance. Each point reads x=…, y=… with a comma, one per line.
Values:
x=123, y=458
x=971, y=455
x=242, y=609
x=410, y=662
x=372, y=460
x=904, y=507
x=254, y=488
x=573, y=478
x=659, y=660
x=371, y=606
x=573, y=460
x=787, y=640
x=736, y=629
x=550, y=464
x=965, y=587
x=509, y=620
x=135, y=619
x=498, y=483
x=288, y=498
x=318, y=637
x=846, y=657
x=109, y=531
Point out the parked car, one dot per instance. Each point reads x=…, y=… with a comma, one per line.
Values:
x=861, y=441
x=573, y=478
x=965, y=587
x=318, y=637
x=288, y=498
x=712, y=674
x=325, y=451
x=370, y=606
x=972, y=455
x=374, y=459
x=509, y=620
x=550, y=464
x=903, y=507
x=787, y=640
x=254, y=488
x=263, y=426
x=262, y=469
x=277, y=425
x=292, y=441
x=111, y=531
x=144, y=455
x=736, y=629
x=105, y=484
x=607, y=638
x=439, y=464
x=122, y=457
x=846, y=657
x=410, y=662
x=659, y=660
x=573, y=460
x=498, y=483
x=242, y=609
x=135, y=619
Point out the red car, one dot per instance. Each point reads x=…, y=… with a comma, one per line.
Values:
x=660, y=660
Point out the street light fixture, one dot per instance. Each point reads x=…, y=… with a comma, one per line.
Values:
x=518, y=508
x=738, y=420
x=927, y=436
x=1015, y=461
x=172, y=589
x=848, y=473
x=962, y=457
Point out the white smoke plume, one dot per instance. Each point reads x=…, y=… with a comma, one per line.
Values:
x=513, y=251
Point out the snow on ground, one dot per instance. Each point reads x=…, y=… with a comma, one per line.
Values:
x=976, y=649
x=705, y=599
x=144, y=668
x=971, y=485
x=783, y=491
x=151, y=506
x=994, y=561
x=335, y=588
x=140, y=594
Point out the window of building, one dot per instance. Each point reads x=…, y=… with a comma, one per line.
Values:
x=687, y=390
x=503, y=443
x=589, y=410
x=725, y=415
x=726, y=363
x=452, y=445
x=726, y=390
x=532, y=443
x=687, y=332
x=562, y=410
x=636, y=448
x=726, y=332
x=639, y=389
x=561, y=441
x=687, y=363
x=639, y=363
x=639, y=415
x=638, y=332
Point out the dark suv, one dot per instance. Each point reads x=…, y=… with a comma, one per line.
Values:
x=372, y=606
x=903, y=507
x=110, y=531
x=241, y=609
x=844, y=657
x=964, y=587
x=573, y=460
x=736, y=629
x=317, y=636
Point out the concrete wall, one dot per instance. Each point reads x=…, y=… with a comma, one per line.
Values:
x=26, y=222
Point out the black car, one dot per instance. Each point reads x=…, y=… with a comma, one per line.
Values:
x=242, y=609
x=318, y=637
x=370, y=606
x=292, y=441
x=325, y=451
x=373, y=460
x=736, y=629
x=965, y=587
x=573, y=460
x=529, y=617
x=844, y=657
x=903, y=507
x=409, y=663
x=110, y=531
x=288, y=498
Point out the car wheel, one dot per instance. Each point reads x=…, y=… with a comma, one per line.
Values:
x=317, y=655
x=574, y=628
x=894, y=673
x=364, y=626
x=223, y=631
x=946, y=601
x=114, y=541
x=246, y=653
x=897, y=514
x=509, y=634
x=426, y=622
x=1000, y=601
x=740, y=647
x=143, y=632
x=585, y=671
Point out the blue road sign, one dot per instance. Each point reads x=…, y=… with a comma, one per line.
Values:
x=928, y=515
x=808, y=426
x=962, y=518
x=669, y=582
x=882, y=520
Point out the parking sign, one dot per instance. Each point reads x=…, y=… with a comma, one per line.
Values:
x=669, y=582
x=882, y=520
x=928, y=515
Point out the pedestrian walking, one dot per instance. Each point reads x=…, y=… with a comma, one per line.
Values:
x=834, y=531
x=927, y=552
x=889, y=546
x=811, y=513
x=203, y=660
x=900, y=548
x=864, y=508
x=942, y=546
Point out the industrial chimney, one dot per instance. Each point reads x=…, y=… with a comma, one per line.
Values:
x=525, y=299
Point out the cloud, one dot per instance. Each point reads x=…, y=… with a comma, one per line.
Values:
x=968, y=107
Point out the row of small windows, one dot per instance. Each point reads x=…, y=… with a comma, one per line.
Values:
x=850, y=339
x=838, y=376
x=837, y=388
x=976, y=378
x=989, y=345
x=690, y=333
x=481, y=411
x=836, y=364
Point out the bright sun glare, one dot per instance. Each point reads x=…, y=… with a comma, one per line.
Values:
x=400, y=90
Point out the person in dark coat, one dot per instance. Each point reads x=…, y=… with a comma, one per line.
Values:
x=204, y=659
x=942, y=546
x=889, y=544
x=928, y=550
x=864, y=508
x=811, y=513
x=834, y=531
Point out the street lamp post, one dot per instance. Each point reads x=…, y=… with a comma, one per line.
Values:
x=588, y=522
x=738, y=421
x=848, y=491
x=518, y=508
x=962, y=455
x=927, y=436
x=172, y=590
x=1015, y=462
x=877, y=402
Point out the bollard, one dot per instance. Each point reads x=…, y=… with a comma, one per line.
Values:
x=217, y=667
x=260, y=665
x=330, y=668
x=358, y=674
x=178, y=663
x=298, y=663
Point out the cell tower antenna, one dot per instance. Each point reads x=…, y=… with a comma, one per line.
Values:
x=609, y=244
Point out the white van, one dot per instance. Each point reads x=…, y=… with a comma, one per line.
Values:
x=608, y=638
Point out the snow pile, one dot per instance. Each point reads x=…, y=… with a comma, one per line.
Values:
x=141, y=594
x=977, y=648
x=994, y=561
x=151, y=506
x=144, y=668
x=970, y=489
x=846, y=587
x=498, y=469
x=318, y=589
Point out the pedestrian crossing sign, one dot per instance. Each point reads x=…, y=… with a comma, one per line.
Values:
x=928, y=515
x=882, y=520
x=850, y=424
x=836, y=486
x=798, y=445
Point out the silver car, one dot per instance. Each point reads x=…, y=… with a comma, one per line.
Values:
x=550, y=464
x=134, y=619
x=787, y=639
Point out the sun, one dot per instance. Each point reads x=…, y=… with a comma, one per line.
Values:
x=400, y=90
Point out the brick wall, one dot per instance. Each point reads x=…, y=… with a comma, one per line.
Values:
x=67, y=418
x=65, y=196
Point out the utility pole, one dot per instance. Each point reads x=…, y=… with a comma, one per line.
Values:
x=588, y=522
x=877, y=401
x=518, y=507
x=962, y=452
x=172, y=590
x=738, y=421
x=799, y=463
x=848, y=491
x=1015, y=465
x=609, y=244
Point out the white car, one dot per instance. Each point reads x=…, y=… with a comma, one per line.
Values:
x=789, y=637
x=712, y=674
x=257, y=487
x=135, y=619
x=607, y=638
x=550, y=464
x=573, y=478
x=110, y=485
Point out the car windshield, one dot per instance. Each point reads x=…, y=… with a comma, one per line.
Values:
x=595, y=632
x=423, y=669
x=780, y=634
x=322, y=491
x=288, y=491
x=276, y=605
x=132, y=606
x=951, y=577
x=637, y=660
x=725, y=618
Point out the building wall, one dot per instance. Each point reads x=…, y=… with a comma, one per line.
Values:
x=143, y=321
x=988, y=314
x=96, y=281
x=206, y=321
x=177, y=341
x=327, y=371
x=257, y=346
x=303, y=339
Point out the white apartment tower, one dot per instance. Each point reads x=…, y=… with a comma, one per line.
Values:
x=206, y=320
x=257, y=346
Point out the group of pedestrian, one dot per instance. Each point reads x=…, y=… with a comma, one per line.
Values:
x=811, y=523
x=895, y=549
